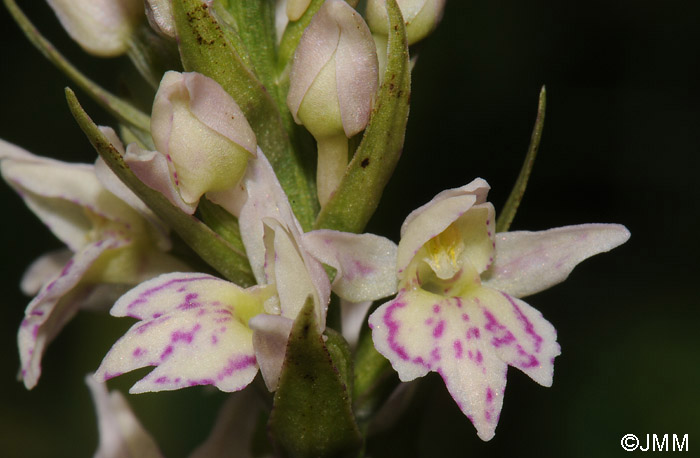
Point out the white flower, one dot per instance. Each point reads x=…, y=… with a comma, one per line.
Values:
x=109, y=245
x=458, y=311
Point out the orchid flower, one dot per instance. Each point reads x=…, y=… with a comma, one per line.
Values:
x=458, y=311
x=109, y=245
x=201, y=330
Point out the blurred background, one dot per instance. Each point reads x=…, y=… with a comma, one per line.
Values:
x=621, y=144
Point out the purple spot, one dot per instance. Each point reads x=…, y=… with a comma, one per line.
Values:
x=473, y=333
x=421, y=361
x=223, y=319
x=167, y=352
x=214, y=339
x=457, y=345
x=138, y=351
x=439, y=329
x=157, y=315
x=435, y=354
x=185, y=336
x=204, y=381
x=37, y=313
x=489, y=395
x=479, y=356
x=235, y=365
x=487, y=415
x=527, y=324
x=162, y=379
x=144, y=297
x=429, y=321
x=393, y=327
x=502, y=336
x=35, y=331
x=459, y=303
x=363, y=269
x=190, y=302
x=436, y=308
x=465, y=317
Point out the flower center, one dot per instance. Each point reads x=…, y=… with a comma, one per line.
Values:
x=444, y=251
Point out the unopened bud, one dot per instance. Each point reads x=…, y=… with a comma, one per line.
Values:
x=333, y=83
x=333, y=80
x=100, y=27
x=420, y=16
x=202, y=133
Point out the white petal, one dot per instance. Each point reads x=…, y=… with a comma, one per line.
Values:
x=265, y=199
x=157, y=172
x=366, y=263
x=352, y=316
x=270, y=337
x=121, y=433
x=529, y=262
x=478, y=188
x=43, y=269
x=297, y=275
x=469, y=341
x=519, y=334
x=194, y=330
x=429, y=223
x=55, y=305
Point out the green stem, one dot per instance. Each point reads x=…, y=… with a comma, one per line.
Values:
x=516, y=195
x=332, y=162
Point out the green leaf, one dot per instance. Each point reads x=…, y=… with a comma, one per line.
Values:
x=222, y=222
x=205, y=48
x=117, y=107
x=222, y=256
x=311, y=415
x=359, y=192
x=516, y=194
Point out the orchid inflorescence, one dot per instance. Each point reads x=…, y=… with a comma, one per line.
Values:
x=294, y=289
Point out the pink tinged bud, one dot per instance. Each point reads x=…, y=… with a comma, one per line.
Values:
x=202, y=133
x=160, y=17
x=420, y=16
x=334, y=80
x=100, y=27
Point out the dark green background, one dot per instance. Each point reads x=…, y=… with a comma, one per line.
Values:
x=621, y=144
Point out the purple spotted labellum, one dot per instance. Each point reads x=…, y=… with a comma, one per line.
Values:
x=458, y=311
x=110, y=246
